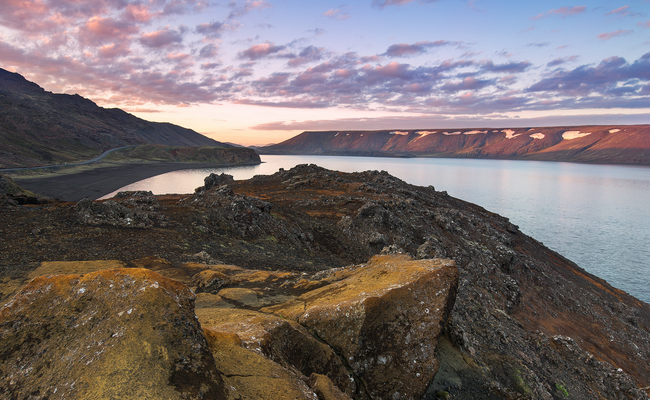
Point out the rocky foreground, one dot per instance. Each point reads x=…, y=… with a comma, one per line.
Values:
x=290, y=299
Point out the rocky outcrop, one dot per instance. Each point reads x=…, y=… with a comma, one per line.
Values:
x=368, y=332
x=526, y=322
x=127, y=209
x=384, y=320
x=121, y=333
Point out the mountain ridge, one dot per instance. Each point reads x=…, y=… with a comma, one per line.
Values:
x=38, y=127
x=606, y=144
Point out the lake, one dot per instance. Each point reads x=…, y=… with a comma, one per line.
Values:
x=595, y=215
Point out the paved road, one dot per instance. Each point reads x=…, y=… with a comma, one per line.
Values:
x=99, y=157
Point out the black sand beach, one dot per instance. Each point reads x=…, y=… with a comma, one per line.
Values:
x=100, y=180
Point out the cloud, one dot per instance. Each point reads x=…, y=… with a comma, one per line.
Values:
x=562, y=12
x=386, y=3
x=162, y=38
x=466, y=84
x=114, y=50
x=561, y=60
x=610, y=35
x=538, y=44
x=438, y=121
x=239, y=10
x=333, y=13
x=100, y=30
x=208, y=51
x=603, y=78
x=621, y=11
x=258, y=51
x=512, y=67
x=405, y=50
x=644, y=24
x=305, y=103
x=306, y=55
x=211, y=29
x=137, y=13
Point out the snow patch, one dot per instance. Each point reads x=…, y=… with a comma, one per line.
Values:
x=537, y=136
x=510, y=134
x=570, y=135
x=399, y=133
x=614, y=130
x=425, y=133
x=337, y=133
x=451, y=133
x=474, y=132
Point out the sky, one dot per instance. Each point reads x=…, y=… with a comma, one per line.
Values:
x=256, y=72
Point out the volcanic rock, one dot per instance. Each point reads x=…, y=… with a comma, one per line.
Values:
x=384, y=320
x=121, y=333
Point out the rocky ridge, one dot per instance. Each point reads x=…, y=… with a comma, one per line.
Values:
x=526, y=322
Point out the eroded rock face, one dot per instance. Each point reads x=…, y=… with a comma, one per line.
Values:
x=285, y=342
x=121, y=333
x=384, y=320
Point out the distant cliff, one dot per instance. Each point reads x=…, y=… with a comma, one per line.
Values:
x=39, y=127
x=606, y=144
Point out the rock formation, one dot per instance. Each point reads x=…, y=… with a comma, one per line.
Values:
x=526, y=322
x=120, y=333
x=132, y=333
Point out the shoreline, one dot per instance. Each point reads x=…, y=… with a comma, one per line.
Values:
x=101, y=179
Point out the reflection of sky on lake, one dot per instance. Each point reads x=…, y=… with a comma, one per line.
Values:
x=595, y=215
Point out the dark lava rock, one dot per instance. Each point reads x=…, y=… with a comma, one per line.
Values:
x=214, y=180
x=113, y=334
x=136, y=209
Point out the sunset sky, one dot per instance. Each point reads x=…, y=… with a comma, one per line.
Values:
x=261, y=71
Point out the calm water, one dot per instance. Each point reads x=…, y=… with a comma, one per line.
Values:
x=596, y=215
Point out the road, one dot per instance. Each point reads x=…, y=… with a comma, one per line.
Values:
x=99, y=157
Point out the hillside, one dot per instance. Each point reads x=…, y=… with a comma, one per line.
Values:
x=516, y=321
x=626, y=144
x=40, y=128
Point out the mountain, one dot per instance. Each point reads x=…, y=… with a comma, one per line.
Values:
x=38, y=127
x=607, y=144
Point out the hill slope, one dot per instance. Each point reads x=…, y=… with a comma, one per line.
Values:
x=39, y=127
x=628, y=144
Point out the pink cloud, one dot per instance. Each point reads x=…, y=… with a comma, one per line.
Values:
x=610, y=35
x=161, y=38
x=563, y=12
x=137, y=13
x=257, y=51
x=385, y=3
x=336, y=14
x=645, y=24
x=101, y=30
x=620, y=10
x=114, y=50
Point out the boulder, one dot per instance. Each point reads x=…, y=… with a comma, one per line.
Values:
x=120, y=333
x=285, y=342
x=385, y=320
x=250, y=375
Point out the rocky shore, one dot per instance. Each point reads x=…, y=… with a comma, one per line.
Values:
x=307, y=283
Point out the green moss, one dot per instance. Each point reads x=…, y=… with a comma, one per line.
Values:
x=522, y=387
x=562, y=389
